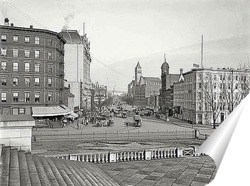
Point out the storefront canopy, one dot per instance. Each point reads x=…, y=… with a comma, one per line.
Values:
x=61, y=110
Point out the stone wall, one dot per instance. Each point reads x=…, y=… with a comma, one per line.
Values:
x=16, y=131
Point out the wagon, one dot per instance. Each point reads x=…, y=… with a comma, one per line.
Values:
x=137, y=121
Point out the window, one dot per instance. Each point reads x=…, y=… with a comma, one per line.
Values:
x=37, y=40
x=3, y=97
x=37, y=81
x=37, y=67
x=3, y=37
x=49, y=96
x=3, y=51
x=37, y=97
x=50, y=69
x=15, y=81
x=236, y=77
x=27, y=53
x=37, y=53
x=26, y=39
x=21, y=111
x=49, y=55
x=27, y=81
x=27, y=97
x=15, y=66
x=15, y=52
x=236, y=86
x=15, y=96
x=214, y=85
x=49, y=82
x=214, y=95
x=200, y=96
x=50, y=42
x=27, y=67
x=4, y=81
x=199, y=85
x=3, y=64
x=15, y=38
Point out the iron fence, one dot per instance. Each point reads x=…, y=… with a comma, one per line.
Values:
x=117, y=136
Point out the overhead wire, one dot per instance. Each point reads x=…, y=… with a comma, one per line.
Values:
x=41, y=25
x=23, y=13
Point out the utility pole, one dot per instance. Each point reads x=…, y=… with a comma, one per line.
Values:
x=201, y=51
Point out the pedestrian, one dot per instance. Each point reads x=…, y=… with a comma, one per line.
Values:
x=77, y=124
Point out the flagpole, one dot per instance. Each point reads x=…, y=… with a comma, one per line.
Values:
x=201, y=51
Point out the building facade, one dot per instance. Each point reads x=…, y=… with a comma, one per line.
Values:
x=166, y=92
x=77, y=67
x=207, y=96
x=31, y=68
x=146, y=89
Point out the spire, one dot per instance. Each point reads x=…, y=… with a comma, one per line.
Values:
x=165, y=58
x=138, y=65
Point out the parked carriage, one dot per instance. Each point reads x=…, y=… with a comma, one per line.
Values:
x=137, y=120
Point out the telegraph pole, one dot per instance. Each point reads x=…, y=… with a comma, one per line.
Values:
x=201, y=51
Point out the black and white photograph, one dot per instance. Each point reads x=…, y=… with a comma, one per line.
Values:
x=124, y=92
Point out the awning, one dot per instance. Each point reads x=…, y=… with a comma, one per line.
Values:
x=72, y=115
x=50, y=111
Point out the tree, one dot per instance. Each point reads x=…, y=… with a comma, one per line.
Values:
x=128, y=99
x=209, y=97
x=235, y=88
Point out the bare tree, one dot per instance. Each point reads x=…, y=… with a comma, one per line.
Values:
x=209, y=97
x=235, y=87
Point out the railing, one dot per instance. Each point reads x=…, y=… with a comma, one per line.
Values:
x=117, y=136
x=114, y=156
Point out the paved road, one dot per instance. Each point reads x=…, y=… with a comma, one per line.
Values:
x=151, y=129
x=148, y=124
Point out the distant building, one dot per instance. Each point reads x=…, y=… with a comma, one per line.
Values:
x=146, y=89
x=206, y=95
x=131, y=89
x=31, y=70
x=166, y=92
x=77, y=67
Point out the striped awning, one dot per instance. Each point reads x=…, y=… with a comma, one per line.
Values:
x=50, y=111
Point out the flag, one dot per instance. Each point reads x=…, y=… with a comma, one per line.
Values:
x=195, y=65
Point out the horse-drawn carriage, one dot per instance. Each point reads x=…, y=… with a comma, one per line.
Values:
x=137, y=120
x=104, y=121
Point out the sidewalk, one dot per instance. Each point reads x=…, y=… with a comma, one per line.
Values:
x=192, y=171
x=204, y=129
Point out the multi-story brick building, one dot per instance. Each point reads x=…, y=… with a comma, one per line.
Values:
x=167, y=80
x=31, y=69
x=146, y=89
x=208, y=95
x=77, y=67
x=131, y=89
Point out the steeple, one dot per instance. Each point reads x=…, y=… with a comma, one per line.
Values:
x=165, y=67
x=138, y=73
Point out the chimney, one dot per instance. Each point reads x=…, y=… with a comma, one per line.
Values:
x=31, y=26
x=181, y=71
x=6, y=22
x=12, y=24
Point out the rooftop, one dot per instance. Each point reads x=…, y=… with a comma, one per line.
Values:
x=25, y=169
x=16, y=118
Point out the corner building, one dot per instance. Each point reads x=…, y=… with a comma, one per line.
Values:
x=31, y=69
x=77, y=67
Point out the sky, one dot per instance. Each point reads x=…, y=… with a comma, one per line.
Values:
x=123, y=29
